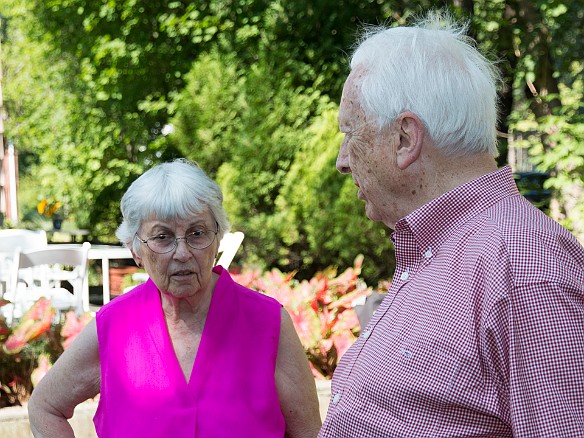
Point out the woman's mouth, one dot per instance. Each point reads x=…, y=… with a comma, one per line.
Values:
x=182, y=273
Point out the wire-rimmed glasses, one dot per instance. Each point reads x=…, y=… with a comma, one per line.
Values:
x=163, y=243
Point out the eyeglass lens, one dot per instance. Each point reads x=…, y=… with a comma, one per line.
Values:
x=164, y=243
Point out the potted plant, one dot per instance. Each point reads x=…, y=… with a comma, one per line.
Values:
x=28, y=349
x=52, y=210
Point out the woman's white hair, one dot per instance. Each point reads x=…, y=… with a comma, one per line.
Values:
x=172, y=190
x=435, y=71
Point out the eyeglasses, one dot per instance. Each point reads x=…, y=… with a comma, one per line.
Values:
x=164, y=243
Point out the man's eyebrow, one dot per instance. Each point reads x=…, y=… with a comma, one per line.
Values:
x=352, y=130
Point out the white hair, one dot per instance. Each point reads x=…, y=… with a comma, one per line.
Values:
x=176, y=189
x=435, y=71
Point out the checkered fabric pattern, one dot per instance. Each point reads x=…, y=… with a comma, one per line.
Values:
x=482, y=331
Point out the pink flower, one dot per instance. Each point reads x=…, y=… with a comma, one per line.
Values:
x=35, y=322
x=73, y=326
x=321, y=309
x=39, y=372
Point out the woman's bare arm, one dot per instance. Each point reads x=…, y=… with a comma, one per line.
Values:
x=74, y=378
x=295, y=383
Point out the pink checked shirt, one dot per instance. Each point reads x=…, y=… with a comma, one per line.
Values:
x=482, y=331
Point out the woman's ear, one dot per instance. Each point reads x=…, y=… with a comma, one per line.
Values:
x=411, y=136
x=137, y=258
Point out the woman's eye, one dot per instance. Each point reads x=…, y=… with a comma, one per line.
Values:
x=197, y=233
x=162, y=237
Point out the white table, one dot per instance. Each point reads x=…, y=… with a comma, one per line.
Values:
x=105, y=253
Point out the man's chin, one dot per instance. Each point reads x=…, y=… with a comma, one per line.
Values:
x=371, y=213
x=376, y=216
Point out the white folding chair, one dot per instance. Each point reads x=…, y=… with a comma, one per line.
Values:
x=47, y=269
x=10, y=241
x=228, y=248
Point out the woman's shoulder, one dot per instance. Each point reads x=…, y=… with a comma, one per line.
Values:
x=258, y=297
x=128, y=300
x=244, y=294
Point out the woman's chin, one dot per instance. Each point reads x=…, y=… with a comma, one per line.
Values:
x=182, y=289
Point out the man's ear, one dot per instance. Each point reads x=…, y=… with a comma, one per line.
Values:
x=411, y=139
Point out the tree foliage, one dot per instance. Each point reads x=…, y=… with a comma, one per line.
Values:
x=250, y=88
x=273, y=148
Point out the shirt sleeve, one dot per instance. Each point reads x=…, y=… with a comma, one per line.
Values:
x=536, y=351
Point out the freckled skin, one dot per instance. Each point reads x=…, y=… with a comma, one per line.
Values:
x=397, y=168
x=369, y=154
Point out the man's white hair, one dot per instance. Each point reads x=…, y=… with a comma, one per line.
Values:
x=435, y=71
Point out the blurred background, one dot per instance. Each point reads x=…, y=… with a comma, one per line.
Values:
x=95, y=91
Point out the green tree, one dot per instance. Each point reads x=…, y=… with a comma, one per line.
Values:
x=273, y=150
x=251, y=88
x=321, y=218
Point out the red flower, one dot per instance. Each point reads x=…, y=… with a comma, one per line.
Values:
x=35, y=322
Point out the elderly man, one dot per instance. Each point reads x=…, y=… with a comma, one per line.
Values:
x=482, y=331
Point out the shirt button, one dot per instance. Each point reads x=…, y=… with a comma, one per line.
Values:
x=336, y=398
x=404, y=276
x=428, y=253
x=366, y=334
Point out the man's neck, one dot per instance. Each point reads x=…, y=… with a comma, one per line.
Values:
x=444, y=173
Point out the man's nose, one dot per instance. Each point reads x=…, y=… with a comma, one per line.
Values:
x=343, y=165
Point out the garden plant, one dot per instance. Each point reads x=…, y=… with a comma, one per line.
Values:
x=31, y=346
x=322, y=309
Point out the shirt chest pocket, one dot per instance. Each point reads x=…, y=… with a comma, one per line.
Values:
x=415, y=377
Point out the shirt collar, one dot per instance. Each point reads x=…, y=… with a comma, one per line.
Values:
x=432, y=223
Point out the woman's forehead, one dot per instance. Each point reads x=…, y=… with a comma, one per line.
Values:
x=203, y=218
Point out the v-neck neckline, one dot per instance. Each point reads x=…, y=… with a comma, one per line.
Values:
x=204, y=352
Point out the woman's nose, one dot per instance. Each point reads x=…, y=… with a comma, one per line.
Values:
x=182, y=249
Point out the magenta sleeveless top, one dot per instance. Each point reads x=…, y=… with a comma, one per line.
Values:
x=232, y=389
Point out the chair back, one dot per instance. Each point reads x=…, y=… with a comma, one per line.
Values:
x=13, y=240
x=46, y=272
x=228, y=248
x=23, y=239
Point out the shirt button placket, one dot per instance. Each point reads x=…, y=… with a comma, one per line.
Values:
x=336, y=398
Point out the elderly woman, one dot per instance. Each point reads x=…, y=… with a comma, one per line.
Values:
x=189, y=353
